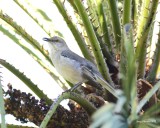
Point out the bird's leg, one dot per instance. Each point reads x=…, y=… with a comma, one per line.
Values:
x=75, y=86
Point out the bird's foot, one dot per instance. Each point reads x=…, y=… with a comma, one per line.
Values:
x=74, y=87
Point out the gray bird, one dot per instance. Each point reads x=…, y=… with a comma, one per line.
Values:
x=73, y=67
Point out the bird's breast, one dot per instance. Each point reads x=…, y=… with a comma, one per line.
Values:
x=68, y=68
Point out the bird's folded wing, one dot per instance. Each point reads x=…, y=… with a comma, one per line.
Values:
x=99, y=80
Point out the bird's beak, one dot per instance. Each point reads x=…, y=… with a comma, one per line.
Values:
x=46, y=39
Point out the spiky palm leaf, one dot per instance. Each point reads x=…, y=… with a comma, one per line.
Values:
x=115, y=35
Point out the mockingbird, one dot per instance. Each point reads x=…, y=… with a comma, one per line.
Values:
x=74, y=68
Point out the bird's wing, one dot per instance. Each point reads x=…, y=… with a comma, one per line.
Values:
x=71, y=55
x=82, y=61
x=99, y=80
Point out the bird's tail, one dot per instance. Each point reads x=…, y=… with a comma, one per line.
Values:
x=106, y=85
x=99, y=80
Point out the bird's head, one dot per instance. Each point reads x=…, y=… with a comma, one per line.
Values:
x=56, y=43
